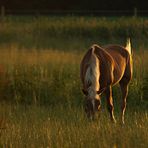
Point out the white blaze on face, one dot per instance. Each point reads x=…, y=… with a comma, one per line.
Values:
x=92, y=95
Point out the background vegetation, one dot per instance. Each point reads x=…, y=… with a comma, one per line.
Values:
x=56, y=32
x=41, y=104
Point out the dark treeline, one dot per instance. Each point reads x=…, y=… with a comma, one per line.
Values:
x=73, y=5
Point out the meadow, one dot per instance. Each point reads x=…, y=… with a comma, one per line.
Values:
x=41, y=103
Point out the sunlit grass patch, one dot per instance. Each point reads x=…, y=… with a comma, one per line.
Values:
x=59, y=126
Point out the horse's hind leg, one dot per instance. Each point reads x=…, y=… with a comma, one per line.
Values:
x=110, y=105
x=124, y=90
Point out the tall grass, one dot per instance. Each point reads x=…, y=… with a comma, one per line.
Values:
x=42, y=76
x=52, y=77
x=41, y=104
x=39, y=126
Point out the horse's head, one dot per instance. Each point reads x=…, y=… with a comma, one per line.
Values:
x=92, y=102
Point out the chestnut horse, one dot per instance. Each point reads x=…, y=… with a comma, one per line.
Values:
x=102, y=68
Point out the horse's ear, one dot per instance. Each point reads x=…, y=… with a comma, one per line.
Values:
x=85, y=92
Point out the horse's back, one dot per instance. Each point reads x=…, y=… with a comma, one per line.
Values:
x=116, y=50
x=114, y=64
x=121, y=58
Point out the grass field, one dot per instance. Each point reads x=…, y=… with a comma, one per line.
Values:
x=41, y=104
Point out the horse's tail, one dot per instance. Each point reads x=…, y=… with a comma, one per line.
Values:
x=128, y=46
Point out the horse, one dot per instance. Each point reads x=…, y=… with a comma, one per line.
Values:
x=102, y=68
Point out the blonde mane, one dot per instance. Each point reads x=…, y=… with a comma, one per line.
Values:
x=92, y=75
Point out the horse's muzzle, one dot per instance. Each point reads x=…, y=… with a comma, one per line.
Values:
x=92, y=107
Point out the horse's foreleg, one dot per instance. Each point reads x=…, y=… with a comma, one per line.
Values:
x=124, y=90
x=110, y=103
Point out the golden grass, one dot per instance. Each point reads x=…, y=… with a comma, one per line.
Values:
x=15, y=56
x=34, y=126
x=55, y=117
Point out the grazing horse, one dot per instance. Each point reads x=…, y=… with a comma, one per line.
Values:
x=101, y=68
